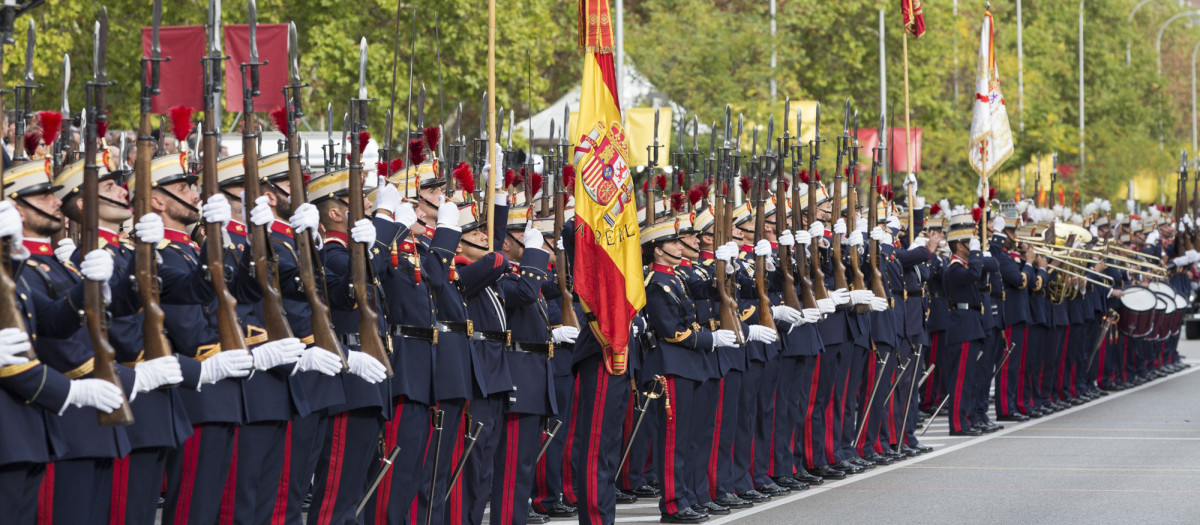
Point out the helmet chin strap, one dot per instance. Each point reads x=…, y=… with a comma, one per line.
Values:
x=473, y=245
x=180, y=201
x=38, y=210
x=664, y=252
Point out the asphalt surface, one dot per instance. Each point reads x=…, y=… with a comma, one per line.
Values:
x=1130, y=457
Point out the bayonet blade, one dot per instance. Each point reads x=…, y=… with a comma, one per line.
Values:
x=30, y=40
x=682, y=134
x=293, y=55
x=816, y=124
x=329, y=122
x=66, y=83
x=421, y=108
x=483, y=113
x=458, y=124
x=362, y=69
x=551, y=132
x=101, y=71
x=846, y=120
x=695, y=131
x=728, y=125
x=787, y=109
x=214, y=28
x=156, y=22
x=712, y=141
x=566, y=124
x=253, y=31
x=770, y=133
x=754, y=142
x=738, y=144
x=656, y=127
x=882, y=133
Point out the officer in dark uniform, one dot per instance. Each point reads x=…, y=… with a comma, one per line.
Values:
x=34, y=393
x=964, y=336
x=352, y=429
x=1017, y=276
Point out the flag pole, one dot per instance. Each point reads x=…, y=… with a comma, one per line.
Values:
x=908, y=149
x=491, y=123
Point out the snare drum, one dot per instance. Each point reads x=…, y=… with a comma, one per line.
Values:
x=1137, y=311
x=1165, y=323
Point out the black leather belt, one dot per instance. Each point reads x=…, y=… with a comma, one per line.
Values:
x=466, y=328
x=350, y=339
x=915, y=293
x=546, y=349
x=565, y=346
x=999, y=296
x=425, y=333
x=497, y=336
x=967, y=306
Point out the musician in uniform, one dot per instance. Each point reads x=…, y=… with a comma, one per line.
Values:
x=964, y=335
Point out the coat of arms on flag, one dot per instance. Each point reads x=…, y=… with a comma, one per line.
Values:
x=601, y=155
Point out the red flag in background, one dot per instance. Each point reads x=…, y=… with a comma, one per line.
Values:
x=914, y=19
x=272, y=48
x=181, y=79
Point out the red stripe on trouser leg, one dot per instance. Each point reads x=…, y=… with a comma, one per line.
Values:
x=568, y=473
x=229, y=497
x=829, y=457
x=512, y=431
x=45, y=515
x=1021, y=372
x=120, y=491
x=279, y=514
x=927, y=391
x=714, y=451
x=333, y=476
x=383, y=492
x=594, y=431
x=860, y=437
x=668, y=472
x=627, y=433
x=1003, y=407
x=959, y=377
x=808, y=413
x=187, y=482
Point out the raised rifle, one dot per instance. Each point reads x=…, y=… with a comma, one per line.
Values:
x=814, y=249
x=23, y=95
x=265, y=263
x=722, y=217
x=93, y=296
x=759, y=168
x=790, y=299
x=800, y=271
x=307, y=263
x=877, y=156
x=62, y=145
x=839, y=271
x=1182, y=243
x=155, y=342
x=456, y=151
x=360, y=271
x=856, y=276
x=561, y=271
x=10, y=313
x=651, y=165
x=229, y=329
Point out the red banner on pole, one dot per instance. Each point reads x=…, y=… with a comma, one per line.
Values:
x=914, y=19
x=272, y=49
x=869, y=138
x=181, y=79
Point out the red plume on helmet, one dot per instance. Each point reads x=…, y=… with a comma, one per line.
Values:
x=976, y=214
x=51, y=122
x=383, y=169
x=181, y=122
x=677, y=202
x=646, y=188
x=803, y=176
x=695, y=194
x=363, y=138
x=816, y=176
x=535, y=183
x=660, y=182
x=464, y=178
x=981, y=203
x=991, y=193
x=935, y=209
x=416, y=152
x=745, y=184
x=102, y=127
x=679, y=176
x=569, y=178
x=785, y=183
x=279, y=117
x=432, y=135
x=518, y=179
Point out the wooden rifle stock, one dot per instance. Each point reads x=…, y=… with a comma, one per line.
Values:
x=790, y=298
x=760, y=262
x=839, y=271
x=322, y=326
x=856, y=276
x=10, y=313
x=806, y=298
x=95, y=314
x=816, y=275
x=727, y=309
x=229, y=330
x=370, y=341
x=873, y=218
x=567, y=301
x=154, y=343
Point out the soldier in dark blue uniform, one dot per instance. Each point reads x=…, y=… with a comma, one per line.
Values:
x=353, y=427
x=964, y=336
x=34, y=393
x=1018, y=277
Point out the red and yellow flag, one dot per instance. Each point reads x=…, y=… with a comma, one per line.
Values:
x=914, y=19
x=608, y=253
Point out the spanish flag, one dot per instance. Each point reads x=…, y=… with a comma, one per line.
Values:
x=608, y=254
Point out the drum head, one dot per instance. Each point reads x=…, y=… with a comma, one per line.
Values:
x=1139, y=299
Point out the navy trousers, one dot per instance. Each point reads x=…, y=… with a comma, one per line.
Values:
x=19, y=486
x=342, y=471
x=548, y=486
x=409, y=428
x=721, y=477
x=520, y=440
x=137, y=483
x=196, y=475
x=595, y=441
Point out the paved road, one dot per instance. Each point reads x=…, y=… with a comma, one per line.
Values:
x=1130, y=457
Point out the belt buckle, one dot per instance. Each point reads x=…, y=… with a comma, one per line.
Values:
x=434, y=337
x=508, y=338
x=470, y=329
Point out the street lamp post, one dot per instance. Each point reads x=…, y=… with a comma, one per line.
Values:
x=1130, y=23
x=1194, y=138
x=1081, y=121
x=1162, y=29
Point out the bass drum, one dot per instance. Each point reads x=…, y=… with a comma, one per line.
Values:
x=1137, y=311
x=1167, y=321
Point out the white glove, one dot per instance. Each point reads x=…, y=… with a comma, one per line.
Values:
x=262, y=214
x=559, y=243
x=985, y=253
x=762, y=334
x=157, y=372
x=635, y=329
x=803, y=238
x=149, y=229
x=1152, y=237
x=817, y=230
x=448, y=216
x=1193, y=254
x=861, y=296
x=97, y=265
x=1091, y=229
x=534, y=240
x=1182, y=260
x=973, y=245
x=225, y=364
x=826, y=306
x=277, y=353
x=877, y=234
x=787, y=314
x=366, y=367
x=920, y=203
x=363, y=232
x=998, y=225
x=95, y=393
x=879, y=304
x=893, y=222
x=13, y=343
x=860, y=225
x=66, y=248
x=787, y=239
x=217, y=210
x=724, y=338
x=406, y=215
x=306, y=218
x=762, y=248
x=921, y=240
x=839, y=227
x=840, y=296
x=567, y=334
x=885, y=237
x=387, y=198
x=812, y=315
x=320, y=360
x=855, y=238
x=911, y=179
x=10, y=221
